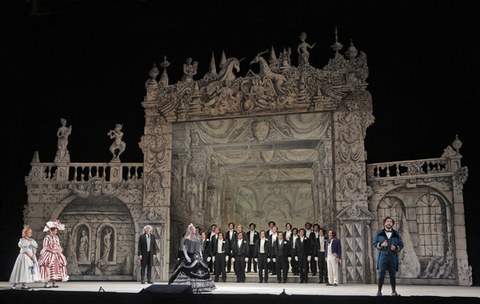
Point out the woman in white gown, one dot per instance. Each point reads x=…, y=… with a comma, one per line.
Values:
x=26, y=267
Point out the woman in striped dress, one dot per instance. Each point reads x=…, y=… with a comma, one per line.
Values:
x=52, y=262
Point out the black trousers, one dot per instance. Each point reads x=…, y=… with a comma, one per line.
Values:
x=313, y=266
x=303, y=267
x=251, y=255
x=240, y=267
x=322, y=266
x=220, y=266
x=282, y=265
x=294, y=265
x=262, y=267
x=146, y=265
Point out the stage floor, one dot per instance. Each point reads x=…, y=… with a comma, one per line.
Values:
x=270, y=288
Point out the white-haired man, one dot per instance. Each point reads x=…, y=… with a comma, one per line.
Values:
x=146, y=253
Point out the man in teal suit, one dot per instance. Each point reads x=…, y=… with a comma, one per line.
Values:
x=388, y=243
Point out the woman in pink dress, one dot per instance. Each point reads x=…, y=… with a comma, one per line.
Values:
x=52, y=262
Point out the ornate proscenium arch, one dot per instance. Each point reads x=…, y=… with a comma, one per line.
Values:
x=302, y=127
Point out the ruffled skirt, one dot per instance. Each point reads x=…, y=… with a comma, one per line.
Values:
x=24, y=270
x=194, y=273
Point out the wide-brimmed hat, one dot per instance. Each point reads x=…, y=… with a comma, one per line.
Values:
x=53, y=224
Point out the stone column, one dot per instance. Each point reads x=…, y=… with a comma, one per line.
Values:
x=464, y=271
x=156, y=145
x=350, y=186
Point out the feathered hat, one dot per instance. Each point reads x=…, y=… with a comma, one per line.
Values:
x=54, y=224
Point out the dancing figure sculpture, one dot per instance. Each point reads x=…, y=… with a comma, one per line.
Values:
x=118, y=145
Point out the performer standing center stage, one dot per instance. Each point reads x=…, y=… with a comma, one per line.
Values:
x=192, y=270
x=388, y=243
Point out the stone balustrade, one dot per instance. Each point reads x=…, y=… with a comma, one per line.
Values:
x=83, y=172
x=410, y=168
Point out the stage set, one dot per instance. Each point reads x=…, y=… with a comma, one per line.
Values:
x=283, y=143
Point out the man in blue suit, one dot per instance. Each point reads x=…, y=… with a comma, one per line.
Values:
x=333, y=255
x=388, y=243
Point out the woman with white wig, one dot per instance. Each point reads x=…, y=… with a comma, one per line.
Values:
x=191, y=269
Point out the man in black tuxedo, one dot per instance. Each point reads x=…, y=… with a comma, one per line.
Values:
x=231, y=237
x=220, y=247
x=273, y=238
x=281, y=256
x=206, y=248
x=293, y=240
x=240, y=257
x=314, y=238
x=319, y=254
x=303, y=255
x=262, y=256
x=252, y=238
x=146, y=253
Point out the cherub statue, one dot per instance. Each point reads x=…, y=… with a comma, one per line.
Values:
x=63, y=132
x=302, y=49
x=118, y=145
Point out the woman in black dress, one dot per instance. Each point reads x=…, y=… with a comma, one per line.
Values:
x=191, y=269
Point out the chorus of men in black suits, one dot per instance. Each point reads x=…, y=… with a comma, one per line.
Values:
x=303, y=250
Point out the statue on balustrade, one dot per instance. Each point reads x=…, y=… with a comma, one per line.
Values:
x=118, y=145
x=189, y=70
x=302, y=49
x=63, y=132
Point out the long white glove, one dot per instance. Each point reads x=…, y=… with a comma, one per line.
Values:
x=208, y=259
x=316, y=259
x=309, y=258
x=268, y=260
x=296, y=258
x=233, y=259
x=256, y=260
x=188, y=258
x=213, y=259
x=289, y=259
x=226, y=258
x=274, y=260
x=246, y=259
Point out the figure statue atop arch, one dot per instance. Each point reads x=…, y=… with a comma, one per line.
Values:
x=302, y=49
x=118, y=146
x=63, y=132
x=189, y=70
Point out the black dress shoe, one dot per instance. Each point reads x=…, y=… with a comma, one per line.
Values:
x=335, y=284
x=379, y=294
x=143, y=282
x=279, y=281
x=261, y=281
x=328, y=284
x=395, y=294
x=150, y=282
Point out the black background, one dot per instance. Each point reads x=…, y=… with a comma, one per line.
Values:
x=87, y=61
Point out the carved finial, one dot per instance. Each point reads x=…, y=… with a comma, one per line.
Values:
x=153, y=72
x=212, y=69
x=337, y=46
x=36, y=157
x=351, y=51
x=223, y=59
x=273, y=57
x=457, y=144
x=164, y=78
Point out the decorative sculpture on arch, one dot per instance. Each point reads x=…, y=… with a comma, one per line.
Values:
x=63, y=132
x=118, y=146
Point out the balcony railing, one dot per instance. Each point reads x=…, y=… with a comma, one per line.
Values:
x=421, y=167
x=82, y=172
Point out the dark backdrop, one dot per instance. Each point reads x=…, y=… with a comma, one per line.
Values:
x=87, y=61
